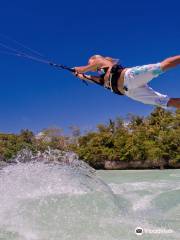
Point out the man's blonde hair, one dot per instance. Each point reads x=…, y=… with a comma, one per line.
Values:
x=113, y=60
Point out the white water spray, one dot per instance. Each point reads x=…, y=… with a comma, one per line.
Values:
x=53, y=196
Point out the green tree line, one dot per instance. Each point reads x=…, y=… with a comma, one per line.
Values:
x=154, y=138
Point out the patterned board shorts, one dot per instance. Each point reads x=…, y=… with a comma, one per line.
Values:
x=136, y=79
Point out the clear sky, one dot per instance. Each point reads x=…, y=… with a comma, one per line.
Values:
x=35, y=96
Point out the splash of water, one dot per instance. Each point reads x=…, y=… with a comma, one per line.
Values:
x=53, y=195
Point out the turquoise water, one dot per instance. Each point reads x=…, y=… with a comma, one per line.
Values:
x=40, y=201
x=150, y=199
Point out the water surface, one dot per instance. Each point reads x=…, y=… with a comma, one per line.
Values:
x=40, y=201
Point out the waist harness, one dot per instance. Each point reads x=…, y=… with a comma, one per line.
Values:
x=112, y=82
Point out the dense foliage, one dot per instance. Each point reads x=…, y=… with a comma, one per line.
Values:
x=155, y=139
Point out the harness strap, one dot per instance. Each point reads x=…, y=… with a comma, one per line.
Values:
x=113, y=79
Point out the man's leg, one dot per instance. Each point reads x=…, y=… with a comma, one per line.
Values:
x=140, y=75
x=174, y=102
x=169, y=63
x=166, y=65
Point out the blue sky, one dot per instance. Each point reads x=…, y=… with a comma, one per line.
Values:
x=35, y=96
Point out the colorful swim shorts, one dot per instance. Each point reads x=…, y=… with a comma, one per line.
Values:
x=136, y=79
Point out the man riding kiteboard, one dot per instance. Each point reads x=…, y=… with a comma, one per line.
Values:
x=131, y=82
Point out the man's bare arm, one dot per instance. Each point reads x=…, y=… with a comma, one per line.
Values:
x=84, y=69
x=89, y=78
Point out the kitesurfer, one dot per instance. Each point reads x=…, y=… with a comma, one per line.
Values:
x=130, y=81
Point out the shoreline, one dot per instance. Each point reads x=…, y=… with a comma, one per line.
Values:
x=140, y=165
x=118, y=165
